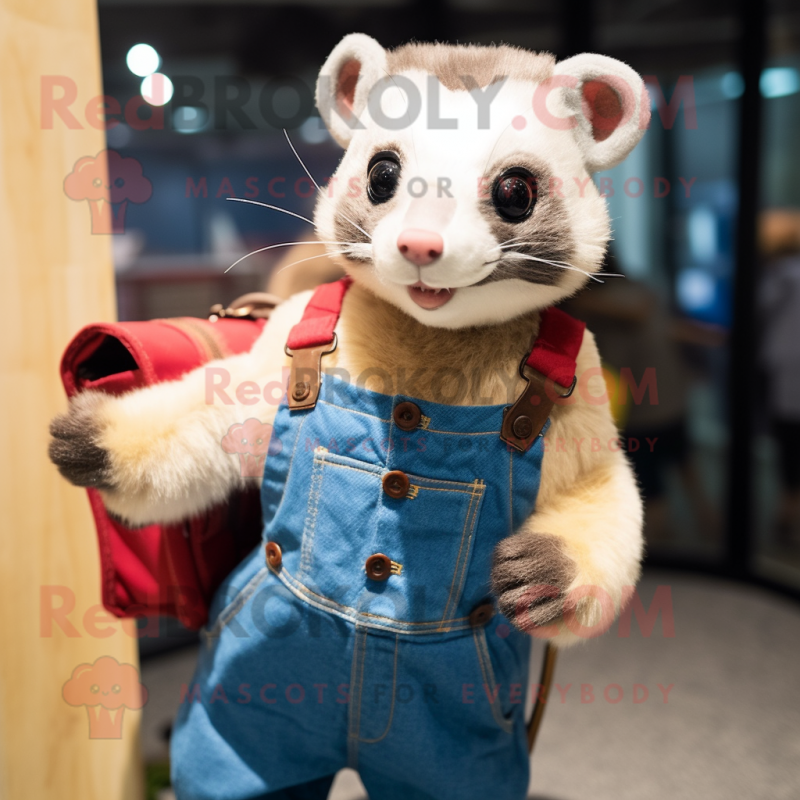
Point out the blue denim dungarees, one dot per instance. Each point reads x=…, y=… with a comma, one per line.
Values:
x=319, y=663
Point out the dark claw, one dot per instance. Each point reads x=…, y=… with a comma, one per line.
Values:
x=530, y=576
x=74, y=449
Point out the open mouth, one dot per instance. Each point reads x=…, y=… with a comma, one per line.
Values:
x=429, y=298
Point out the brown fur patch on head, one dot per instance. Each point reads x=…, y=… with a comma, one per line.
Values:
x=481, y=65
x=545, y=234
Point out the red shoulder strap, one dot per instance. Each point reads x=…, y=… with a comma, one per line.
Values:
x=553, y=357
x=553, y=360
x=555, y=351
x=320, y=317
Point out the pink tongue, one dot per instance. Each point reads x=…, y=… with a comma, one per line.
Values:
x=430, y=299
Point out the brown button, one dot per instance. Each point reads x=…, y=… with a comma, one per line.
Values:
x=379, y=567
x=481, y=614
x=395, y=484
x=301, y=390
x=407, y=415
x=522, y=427
x=274, y=554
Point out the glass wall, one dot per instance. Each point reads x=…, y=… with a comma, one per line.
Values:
x=777, y=446
x=664, y=328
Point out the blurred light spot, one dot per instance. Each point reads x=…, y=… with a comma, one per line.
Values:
x=702, y=230
x=188, y=119
x=779, y=82
x=142, y=60
x=119, y=135
x=313, y=131
x=696, y=290
x=732, y=85
x=157, y=89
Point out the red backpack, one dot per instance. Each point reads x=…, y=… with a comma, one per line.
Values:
x=167, y=569
x=175, y=569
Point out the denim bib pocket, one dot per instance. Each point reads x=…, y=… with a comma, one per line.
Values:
x=425, y=533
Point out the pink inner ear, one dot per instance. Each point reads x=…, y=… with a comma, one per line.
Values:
x=603, y=106
x=346, y=85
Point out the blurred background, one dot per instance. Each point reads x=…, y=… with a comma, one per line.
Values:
x=705, y=227
x=706, y=217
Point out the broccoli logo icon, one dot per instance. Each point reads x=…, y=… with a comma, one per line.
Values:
x=252, y=441
x=108, y=182
x=106, y=688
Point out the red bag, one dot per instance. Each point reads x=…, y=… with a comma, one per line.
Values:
x=166, y=569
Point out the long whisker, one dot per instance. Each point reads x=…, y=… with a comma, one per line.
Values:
x=321, y=255
x=510, y=246
x=564, y=266
x=274, y=208
x=319, y=188
x=280, y=244
x=509, y=241
x=562, y=263
x=536, y=258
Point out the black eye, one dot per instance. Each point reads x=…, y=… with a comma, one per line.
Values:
x=514, y=194
x=383, y=175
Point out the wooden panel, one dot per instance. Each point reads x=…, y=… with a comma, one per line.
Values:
x=55, y=276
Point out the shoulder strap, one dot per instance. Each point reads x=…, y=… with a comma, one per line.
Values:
x=320, y=317
x=548, y=367
x=549, y=370
x=310, y=339
x=555, y=352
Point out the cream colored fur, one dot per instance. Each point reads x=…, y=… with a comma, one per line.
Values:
x=164, y=441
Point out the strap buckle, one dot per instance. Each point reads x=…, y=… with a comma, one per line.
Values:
x=305, y=375
x=254, y=305
x=524, y=420
x=554, y=386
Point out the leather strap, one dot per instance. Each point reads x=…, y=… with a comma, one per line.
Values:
x=320, y=317
x=549, y=367
x=549, y=372
x=255, y=305
x=310, y=339
x=545, y=684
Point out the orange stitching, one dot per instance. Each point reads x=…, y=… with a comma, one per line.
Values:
x=298, y=588
x=353, y=411
x=394, y=692
x=460, y=548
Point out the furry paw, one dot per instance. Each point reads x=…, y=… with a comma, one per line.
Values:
x=530, y=576
x=75, y=447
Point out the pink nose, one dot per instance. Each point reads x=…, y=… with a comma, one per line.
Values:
x=420, y=247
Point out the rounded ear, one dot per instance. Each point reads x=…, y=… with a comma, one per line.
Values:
x=354, y=66
x=610, y=105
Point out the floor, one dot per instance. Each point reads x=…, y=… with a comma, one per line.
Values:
x=730, y=726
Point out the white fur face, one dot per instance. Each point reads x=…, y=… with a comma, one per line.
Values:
x=448, y=155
